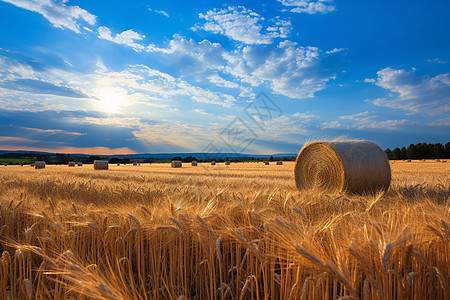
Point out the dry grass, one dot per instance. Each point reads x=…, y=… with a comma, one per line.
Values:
x=237, y=232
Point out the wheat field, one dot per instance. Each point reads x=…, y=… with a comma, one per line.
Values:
x=241, y=231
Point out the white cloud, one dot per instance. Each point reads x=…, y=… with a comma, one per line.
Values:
x=219, y=81
x=128, y=38
x=161, y=12
x=332, y=125
x=309, y=6
x=365, y=120
x=441, y=122
x=60, y=15
x=437, y=61
x=306, y=116
x=408, y=91
x=243, y=25
x=291, y=70
x=369, y=80
x=142, y=81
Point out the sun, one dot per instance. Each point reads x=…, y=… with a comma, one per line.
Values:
x=112, y=99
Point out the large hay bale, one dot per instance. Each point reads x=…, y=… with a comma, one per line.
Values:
x=176, y=164
x=71, y=164
x=39, y=165
x=279, y=163
x=100, y=165
x=342, y=166
x=194, y=163
x=227, y=163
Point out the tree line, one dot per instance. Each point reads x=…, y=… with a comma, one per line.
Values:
x=420, y=151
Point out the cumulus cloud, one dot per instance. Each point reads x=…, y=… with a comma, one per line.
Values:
x=309, y=6
x=219, y=81
x=244, y=25
x=414, y=93
x=128, y=38
x=57, y=13
x=291, y=70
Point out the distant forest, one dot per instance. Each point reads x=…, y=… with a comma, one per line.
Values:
x=420, y=151
x=413, y=151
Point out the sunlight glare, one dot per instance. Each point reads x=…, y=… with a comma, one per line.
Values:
x=112, y=99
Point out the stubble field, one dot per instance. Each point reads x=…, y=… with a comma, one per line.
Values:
x=220, y=232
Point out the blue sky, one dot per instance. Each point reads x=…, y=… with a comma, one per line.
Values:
x=110, y=77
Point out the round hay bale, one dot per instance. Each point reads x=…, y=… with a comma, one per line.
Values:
x=279, y=163
x=134, y=163
x=79, y=164
x=227, y=163
x=101, y=165
x=176, y=164
x=408, y=160
x=39, y=165
x=213, y=163
x=266, y=163
x=342, y=166
x=71, y=164
x=194, y=163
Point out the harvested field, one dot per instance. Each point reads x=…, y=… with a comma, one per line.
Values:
x=241, y=231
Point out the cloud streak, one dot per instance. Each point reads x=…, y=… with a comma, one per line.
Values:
x=57, y=13
x=72, y=150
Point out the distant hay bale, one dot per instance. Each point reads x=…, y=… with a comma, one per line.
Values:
x=342, y=166
x=39, y=165
x=100, y=165
x=194, y=163
x=438, y=160
x=79, y=164
x=71, y=164
x=227, y=163
x=279, y=163
x=176, y=164
x=118, y=164
x=134, y=163
x=213, y=163
x=408, y=160
x=266, y=163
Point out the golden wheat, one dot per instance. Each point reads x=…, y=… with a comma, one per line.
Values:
x=240, y=232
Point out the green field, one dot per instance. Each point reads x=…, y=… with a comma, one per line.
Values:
x=14, y=161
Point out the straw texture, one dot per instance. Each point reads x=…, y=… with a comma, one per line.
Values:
x=342, y=166
x=39, y=165
x=100, y=165
x=176, y=164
